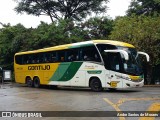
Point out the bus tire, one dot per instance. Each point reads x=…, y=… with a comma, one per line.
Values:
x=29, y=82
x=36, y=82
x=96, y=85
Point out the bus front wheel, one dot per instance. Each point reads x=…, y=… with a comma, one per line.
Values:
x=95, y=85
x=36, y=82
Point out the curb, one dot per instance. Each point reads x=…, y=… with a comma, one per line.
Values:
x=151, y=86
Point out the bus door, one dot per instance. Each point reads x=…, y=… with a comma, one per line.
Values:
x=113, y=64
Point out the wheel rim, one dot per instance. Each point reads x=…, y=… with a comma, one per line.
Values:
x=29, y=82
x=96, y=85
x=36, y=82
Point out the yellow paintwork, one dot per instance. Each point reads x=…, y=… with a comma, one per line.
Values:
x=114, y=84
x=21, y=71
x=135, y=77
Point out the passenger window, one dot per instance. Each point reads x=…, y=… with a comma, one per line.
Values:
x=77, y=54
x=47, y=57
x=54, y=57
x=24, y=59
x=35, y=59
x=18, y=59
x=72, y=55
x=28, y=59
x=90, y=54
x=38, y=58
x=61, y=56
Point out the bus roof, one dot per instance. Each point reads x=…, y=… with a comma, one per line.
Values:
x=113, y=42
x=79, y=44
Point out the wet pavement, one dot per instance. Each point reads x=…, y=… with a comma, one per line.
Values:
x=17, y=97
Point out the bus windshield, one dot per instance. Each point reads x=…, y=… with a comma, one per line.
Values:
x=116, y=61
x=133, y=65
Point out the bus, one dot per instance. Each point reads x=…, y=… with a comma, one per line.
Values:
x=96, y=64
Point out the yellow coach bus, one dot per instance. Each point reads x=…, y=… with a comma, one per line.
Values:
x=96, y=64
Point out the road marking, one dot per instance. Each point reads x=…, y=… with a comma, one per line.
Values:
x=121, y=101
x=153, y=107
x=115, y=107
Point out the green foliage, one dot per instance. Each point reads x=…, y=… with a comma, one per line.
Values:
x=10, y=42
x=99, y=28
x=141, y=31
x=146, y=7
x=61, y=9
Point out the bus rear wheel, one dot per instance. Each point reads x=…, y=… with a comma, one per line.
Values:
x=29, y=82
x=36, y=82
x=95, y=85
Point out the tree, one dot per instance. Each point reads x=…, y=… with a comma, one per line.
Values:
x=141, y=31
x=12, y=40
x=56, y=33
x=99, y=28
x=61, y=9
x=47, y=35
x=146, y=7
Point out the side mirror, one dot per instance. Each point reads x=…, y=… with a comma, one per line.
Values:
x=126, y=56
x=1, y=69
x=143, y=53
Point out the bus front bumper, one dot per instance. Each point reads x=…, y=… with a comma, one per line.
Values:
x=130, y=84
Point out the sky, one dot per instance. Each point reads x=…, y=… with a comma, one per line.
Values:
x=8, y=15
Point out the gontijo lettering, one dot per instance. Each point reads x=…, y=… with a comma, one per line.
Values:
x=39, y=67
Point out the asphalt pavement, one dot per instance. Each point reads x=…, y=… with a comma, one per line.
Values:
x=74, y=103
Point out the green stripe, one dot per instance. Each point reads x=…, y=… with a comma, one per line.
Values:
x=66, y=71
x=94, y=72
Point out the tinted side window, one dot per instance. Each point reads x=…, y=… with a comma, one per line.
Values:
x=90, y=54
x=23, y=59
x=36, y=58
x=47, y=57
x=40, y=58
x=102, y=47
x=72, y=55
x=54, y=57
x=18, y=59
x=61, y=56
